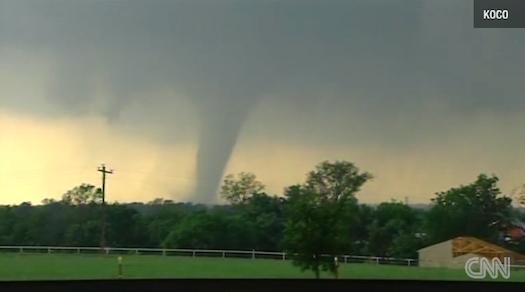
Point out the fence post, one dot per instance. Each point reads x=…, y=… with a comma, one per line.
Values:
x=21, y=250
x=346, y=259
x=409, y=262
x=223, y=254
x=78, y=250
x=284, y=256
x=253, y=254
x=193, y=253
x=377, y=261
x=164, y=252
x=48, y=250
x=119, y=267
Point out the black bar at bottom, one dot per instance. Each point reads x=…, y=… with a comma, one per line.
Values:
x=257, y=285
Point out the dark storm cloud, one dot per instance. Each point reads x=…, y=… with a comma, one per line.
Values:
x=209, y=46
x=390, y=61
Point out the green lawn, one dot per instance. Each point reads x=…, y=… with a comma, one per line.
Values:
x=64, y=266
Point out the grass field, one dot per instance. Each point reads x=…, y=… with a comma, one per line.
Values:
x=70, y=266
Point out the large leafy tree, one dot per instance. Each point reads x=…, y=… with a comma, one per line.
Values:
x=320, y=213
x=392, y=234
x=361, y=229
x=260, y=213
x=82, y=194
x=477, y=209
x=238, y=189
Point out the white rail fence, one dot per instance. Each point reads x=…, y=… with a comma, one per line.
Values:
x=253, y=254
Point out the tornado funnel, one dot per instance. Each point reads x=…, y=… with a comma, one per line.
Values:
x=217, y=140
x=221, y=120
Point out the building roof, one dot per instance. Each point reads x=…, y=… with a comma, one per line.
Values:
x=518, y=223
x=466, y=244
x=463, y=245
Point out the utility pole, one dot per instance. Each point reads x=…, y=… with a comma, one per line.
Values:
x=104, y=172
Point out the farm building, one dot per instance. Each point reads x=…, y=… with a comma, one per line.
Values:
x=515, y=230
x=455, y=252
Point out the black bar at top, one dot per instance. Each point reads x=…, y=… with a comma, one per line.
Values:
x=499, y=13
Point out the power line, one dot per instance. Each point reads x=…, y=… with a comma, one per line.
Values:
x=47, y=175
x=104, y=172
x=43, y=170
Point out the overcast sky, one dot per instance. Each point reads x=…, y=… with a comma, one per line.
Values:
x=165, y=91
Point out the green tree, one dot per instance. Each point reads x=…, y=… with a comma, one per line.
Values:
x=238, y=189
x=121, y=223
x=477, y=210
x=266, y=218
x=195, y=231
x=156, y=226
x=361, y=230
x=393, y=222
x=82, y=195
x=405, y=245
x=320, y=214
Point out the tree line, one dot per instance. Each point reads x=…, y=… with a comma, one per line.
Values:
x=318, y=217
